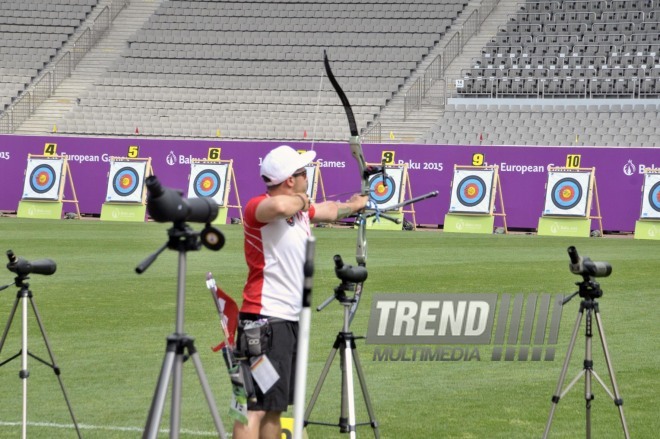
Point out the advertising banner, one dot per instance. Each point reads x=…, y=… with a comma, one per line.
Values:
x=522, y=170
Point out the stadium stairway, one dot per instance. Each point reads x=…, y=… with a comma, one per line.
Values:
x=418, y=123
x=93, y=66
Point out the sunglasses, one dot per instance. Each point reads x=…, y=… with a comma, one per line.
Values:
x=302, y=173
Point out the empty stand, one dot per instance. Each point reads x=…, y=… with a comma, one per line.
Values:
x=563, y=124
x=586, y=48
x=32, y=32
x=254, y=69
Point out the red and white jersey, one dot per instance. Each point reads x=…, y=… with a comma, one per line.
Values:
x=275, y=254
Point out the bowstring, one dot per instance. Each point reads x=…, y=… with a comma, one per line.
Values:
x=318, y=106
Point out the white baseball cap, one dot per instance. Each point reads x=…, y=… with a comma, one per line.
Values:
x=282, y=162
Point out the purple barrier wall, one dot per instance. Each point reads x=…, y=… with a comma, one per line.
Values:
x=523, y=172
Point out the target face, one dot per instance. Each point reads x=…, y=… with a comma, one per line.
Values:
x=473, y=191
x=382, y=189
x=386, y=191
x=651, y=196
x=43, y=178
x=126, y=181
x=207, y=183
x=567, y=193
x=209, y=180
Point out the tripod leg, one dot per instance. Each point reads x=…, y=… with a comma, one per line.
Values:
x=365, y=392
x=319, y=384
x=556, y=397
x=588, y=369
x=56, y=369
x=177, y=385
x=158, y=401
x=347, y=373
x=207, y=391
x=8, y=325
x=618, y=401
x=24, y=373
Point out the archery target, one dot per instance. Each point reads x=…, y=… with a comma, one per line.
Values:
x=651, y=197
x=567, y=193
x=208, y=180
x=126, y=181
x=386, y=191
x=43, y=178
x=472, y=191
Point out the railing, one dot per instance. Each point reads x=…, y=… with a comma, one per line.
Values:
x=549, y=87
x=421, y=89
x=372, y=134
x=45, y=85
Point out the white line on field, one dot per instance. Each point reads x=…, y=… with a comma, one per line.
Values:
x=104, y=427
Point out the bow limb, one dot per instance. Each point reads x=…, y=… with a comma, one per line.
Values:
x=358, y=155
x=356, y=151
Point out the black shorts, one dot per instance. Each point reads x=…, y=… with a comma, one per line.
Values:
x=282, y=355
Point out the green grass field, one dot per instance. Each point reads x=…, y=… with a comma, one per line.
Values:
x=107, y=327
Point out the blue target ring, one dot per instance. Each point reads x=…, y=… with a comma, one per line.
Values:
x=654, y=197
x=207, y=183
x=566, y=193
x=42, y=179
x=382, y=190
x=126, y=181
x=471, y=191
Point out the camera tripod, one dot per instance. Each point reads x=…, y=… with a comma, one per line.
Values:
x=179, y=345
x=589, y=290
x=24, y=294
x=345, y=344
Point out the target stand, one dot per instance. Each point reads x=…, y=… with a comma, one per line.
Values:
x=387, y=190
x=214, y=179
x=571, y=195
x=315, y=180
x=472, y=207
x=43, y=188
x=126, y=196
x=648, y=225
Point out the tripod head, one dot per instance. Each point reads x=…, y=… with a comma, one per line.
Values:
x=350, y=276
x=165, y=204
x=588, y=289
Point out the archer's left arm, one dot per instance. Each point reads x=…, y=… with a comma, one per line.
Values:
x=329, y=211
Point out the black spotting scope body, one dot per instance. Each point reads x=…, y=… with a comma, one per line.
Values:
x=22, y=267
x=349, y=273
x=164, y=205
x=587, y=267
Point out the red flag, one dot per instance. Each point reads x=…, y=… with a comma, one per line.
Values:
x=228, y=315
x=305, y=134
